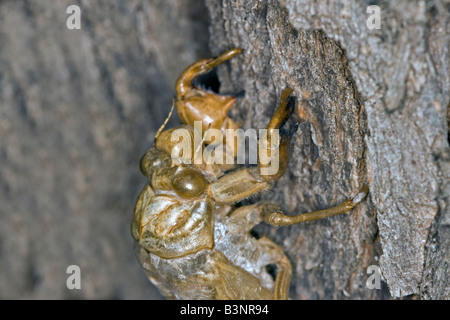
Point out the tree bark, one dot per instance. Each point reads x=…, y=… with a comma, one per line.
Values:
x=79, y=107
x=372, y=108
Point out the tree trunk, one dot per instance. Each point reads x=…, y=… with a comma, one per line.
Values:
x=79, y=107
x=372, y=108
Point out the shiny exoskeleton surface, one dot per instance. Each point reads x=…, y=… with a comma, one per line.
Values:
x=190, y=239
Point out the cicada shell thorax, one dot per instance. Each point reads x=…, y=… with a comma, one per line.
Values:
x=175, y=213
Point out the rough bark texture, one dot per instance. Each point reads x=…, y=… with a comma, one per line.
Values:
x=79, y=107
x=372, y=107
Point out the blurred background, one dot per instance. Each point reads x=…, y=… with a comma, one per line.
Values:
x=78, y=108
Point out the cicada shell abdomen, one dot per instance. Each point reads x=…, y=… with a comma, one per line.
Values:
x=171, y=228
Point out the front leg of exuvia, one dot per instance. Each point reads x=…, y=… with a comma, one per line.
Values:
x=273, y=160
x=243, y=183
x=196, y=104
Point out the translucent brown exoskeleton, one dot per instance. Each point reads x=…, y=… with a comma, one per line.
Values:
x=190, y=239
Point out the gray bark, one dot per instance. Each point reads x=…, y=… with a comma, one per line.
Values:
x=372, y=107
x=79, y=107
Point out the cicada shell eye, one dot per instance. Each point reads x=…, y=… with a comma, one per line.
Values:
x=152, y=160
x=178, y=143
x=189, y=183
